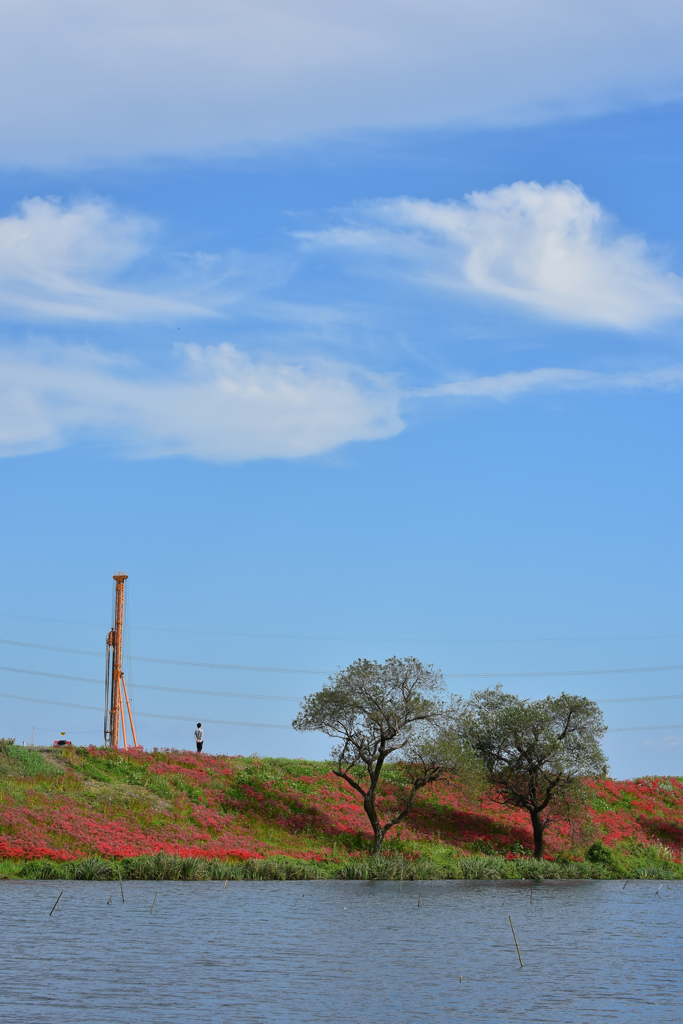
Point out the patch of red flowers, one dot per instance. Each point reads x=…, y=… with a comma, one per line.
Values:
x=228, y=807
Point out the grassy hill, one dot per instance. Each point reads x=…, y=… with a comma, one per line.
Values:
x=91, y=812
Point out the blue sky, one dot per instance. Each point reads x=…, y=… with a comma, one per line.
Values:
x=343, y=333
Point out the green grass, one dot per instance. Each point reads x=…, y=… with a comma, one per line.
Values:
x=114, y=769
x=447, y=866
x=24, y=762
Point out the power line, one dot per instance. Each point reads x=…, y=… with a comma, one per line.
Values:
x=145, y=686
x=572, y=672
x=412, y=639
x=362, y=639
x=46, y=647
x=628, y=700
x=256, y=725
x=171, y=661
x=267, y=696
x=641, y=728
x=322, y=672
x=144, y=714
x=264, y=696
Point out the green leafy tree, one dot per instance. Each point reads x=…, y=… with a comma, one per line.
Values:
x=536, y=752
x=394, y=712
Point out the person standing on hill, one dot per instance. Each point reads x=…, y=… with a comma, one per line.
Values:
x=199, y=737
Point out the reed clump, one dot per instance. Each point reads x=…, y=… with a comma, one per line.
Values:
x=161, y=866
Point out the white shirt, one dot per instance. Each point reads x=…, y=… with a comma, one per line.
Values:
x=199, y=735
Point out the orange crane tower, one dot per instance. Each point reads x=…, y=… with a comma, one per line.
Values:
x=114, y=681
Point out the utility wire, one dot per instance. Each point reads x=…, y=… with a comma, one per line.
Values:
x=363, y=639
x=144, y=714
x=628, y=700
x=145, y=686
x=170, y=661
x=414, y=639
x=572, y=672
x=258, y=725
x=324, y=672
x=267, y=696
x=641, y=728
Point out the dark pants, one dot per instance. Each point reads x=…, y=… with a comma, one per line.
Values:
x=199, y=747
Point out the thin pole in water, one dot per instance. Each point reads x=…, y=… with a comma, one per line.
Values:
x=109, y=900
x=531, y=893
x=625, y=884
x=657, y=893
x=153, y=902
x=516, y=943
x=419, y=898
x=225, y=883
x=56, y=902
x=121, y=884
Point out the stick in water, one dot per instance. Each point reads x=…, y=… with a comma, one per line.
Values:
x=516, y=944
x=109, y=900
x=56, y=902
x=225, y=883
x=625, y=884
x=121, y=884
x=419, y=898
x=153, y=902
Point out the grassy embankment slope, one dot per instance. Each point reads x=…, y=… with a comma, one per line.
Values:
x=88, y=813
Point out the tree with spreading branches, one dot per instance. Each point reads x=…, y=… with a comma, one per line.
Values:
x=536, y=752
x=394, y=712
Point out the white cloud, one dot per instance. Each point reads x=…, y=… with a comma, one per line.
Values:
x=547, y=248
x=665, y=741
x=58, y=262
x=508, y=385
x=218, y=405
x=95, y=80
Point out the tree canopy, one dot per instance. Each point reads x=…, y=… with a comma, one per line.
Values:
x=536, y=751
x=393, y=711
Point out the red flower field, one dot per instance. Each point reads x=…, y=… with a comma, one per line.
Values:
x=123, y=804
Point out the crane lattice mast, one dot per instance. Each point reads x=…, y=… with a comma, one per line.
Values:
x=114, y=682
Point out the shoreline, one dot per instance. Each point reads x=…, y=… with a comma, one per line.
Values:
x=163, y=867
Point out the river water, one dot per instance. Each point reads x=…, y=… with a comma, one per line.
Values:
x=340, y=952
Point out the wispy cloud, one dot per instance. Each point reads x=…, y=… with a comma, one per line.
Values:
x=664, y=741
x=548, y=249
x=508, y=385
x=216, y=404
x=115, y=81
x=62, y=262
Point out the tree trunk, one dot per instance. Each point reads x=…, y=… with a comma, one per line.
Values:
x=539, y=831
x=370, y=810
